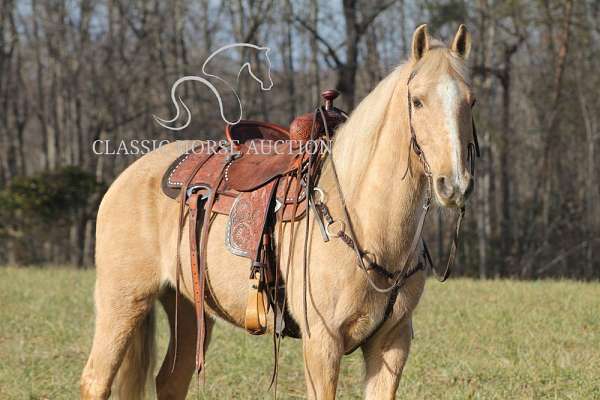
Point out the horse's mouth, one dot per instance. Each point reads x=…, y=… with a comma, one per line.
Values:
x=451, y=195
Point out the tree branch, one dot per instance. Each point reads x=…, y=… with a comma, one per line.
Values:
x=330, y=50
x=364, y=25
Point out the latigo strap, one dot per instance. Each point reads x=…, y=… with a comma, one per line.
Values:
x=198, y=260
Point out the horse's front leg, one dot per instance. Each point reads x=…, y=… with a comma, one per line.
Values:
x=322, y=356
x=385, y=355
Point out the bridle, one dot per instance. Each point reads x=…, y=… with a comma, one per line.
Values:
x=366, y=260
x=472, y=152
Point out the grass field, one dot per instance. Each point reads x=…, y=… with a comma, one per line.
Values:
x=474, y=340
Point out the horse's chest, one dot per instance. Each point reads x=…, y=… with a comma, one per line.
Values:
x=371, y=317
x=363, y=320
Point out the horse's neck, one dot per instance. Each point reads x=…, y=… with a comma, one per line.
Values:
x=384, y=208
x=387, y=210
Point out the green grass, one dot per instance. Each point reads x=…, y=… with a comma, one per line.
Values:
x=474, y=340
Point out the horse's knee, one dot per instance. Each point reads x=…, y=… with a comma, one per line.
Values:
x=385, y=356
x=322, y=357
x=90, y=389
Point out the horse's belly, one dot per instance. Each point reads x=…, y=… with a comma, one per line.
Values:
x=227, y=277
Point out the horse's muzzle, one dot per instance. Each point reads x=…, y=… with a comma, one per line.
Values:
x=451, y=193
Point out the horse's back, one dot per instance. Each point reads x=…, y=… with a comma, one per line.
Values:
x=129, y=218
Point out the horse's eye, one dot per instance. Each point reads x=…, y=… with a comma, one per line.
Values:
x=417, y=103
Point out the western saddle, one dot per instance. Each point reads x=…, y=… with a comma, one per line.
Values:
x=260, y=178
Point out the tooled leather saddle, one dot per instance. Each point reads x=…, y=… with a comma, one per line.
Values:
x=261, y=178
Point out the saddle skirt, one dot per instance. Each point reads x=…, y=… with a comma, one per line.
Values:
x=244, y=173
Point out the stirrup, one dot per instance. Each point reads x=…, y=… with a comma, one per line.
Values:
x=256, y=308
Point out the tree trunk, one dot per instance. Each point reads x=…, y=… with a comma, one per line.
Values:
x=289, y=62
x=314, y=49
x=505, y=166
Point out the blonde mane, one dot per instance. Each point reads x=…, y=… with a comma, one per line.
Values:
x=356, y=140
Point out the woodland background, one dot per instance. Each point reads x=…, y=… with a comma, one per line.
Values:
x=72, y=72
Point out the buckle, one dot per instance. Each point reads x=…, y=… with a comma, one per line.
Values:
x=321, y=193
x=342, y=229
x=192, y=189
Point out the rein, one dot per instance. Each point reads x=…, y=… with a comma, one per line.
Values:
x=365, y=259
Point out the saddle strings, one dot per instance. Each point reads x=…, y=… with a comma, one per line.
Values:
x=308, y=193
x=308, y=189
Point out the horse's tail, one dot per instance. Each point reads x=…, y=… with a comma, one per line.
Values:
x=135, y=373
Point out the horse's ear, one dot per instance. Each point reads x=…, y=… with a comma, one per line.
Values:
x=420, y=42
x=461, y=45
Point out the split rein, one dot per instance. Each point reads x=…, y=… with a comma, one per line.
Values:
x=365, y=259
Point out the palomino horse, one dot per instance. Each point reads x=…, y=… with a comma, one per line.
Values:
x=138, y=226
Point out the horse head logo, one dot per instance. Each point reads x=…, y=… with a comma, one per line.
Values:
x=266, y=83
x=260, y=73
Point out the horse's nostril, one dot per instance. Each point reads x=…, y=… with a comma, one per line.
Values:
x=444, y=187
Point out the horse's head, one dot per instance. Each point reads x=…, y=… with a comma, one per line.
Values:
x=261, y=73
x=440, y=101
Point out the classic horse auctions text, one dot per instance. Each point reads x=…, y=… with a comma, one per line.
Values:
x=133, y=147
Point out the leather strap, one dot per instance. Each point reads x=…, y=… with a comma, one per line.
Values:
x=181, y=219
x=197, y=278
x=198, y=262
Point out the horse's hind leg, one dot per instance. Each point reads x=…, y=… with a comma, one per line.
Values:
x=123, y=296
x=173, y=382
x=385, y=355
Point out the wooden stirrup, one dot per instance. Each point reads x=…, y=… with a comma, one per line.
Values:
x=256, y=308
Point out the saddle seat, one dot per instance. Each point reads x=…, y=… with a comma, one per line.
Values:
x=246, y=130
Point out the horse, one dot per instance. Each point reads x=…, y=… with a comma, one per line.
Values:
x=266, y=84
x=383, y=182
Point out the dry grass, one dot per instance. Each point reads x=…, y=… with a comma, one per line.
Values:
x=474, y=340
